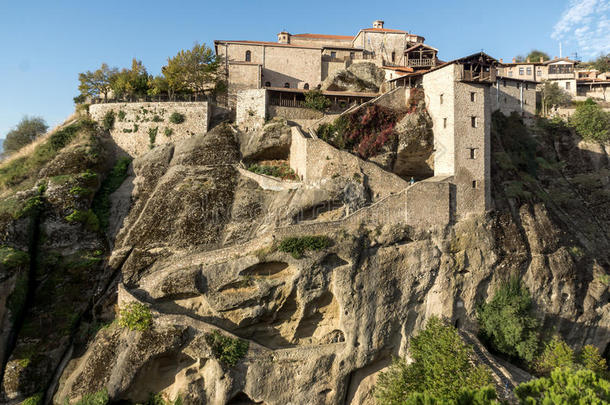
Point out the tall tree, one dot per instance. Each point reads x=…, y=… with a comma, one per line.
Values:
x=97, y=83
x=553, y=96
x=441, y=368
x=193, y=71
x=28, y=129
x=591, y=122
x=602, y=63
x=131, y=83
x=535, y=55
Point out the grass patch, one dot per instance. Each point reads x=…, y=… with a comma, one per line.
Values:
x=85, y=217
x=297, y=246
x=177, y=118
x=135, y=316
x=19, y=170
x=35, y=399
x=114, y=179
x=12, y=258
x=228, y=350
x=97, y=398
x=281, y=170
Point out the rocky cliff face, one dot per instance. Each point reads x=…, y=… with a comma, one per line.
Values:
x=198, y=246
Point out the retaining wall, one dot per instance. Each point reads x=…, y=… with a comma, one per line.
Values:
x=134, y=120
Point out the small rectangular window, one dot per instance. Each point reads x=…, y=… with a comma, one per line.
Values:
x=567, y=85
x=472, y=96
x=441, y=98
x=503, y=83
x=333, y=54
x=444, y=122
x=521, y=71
x=473, y=122
x=529, y=71
x=474, y=184
x=527, y=86
x=473, y=153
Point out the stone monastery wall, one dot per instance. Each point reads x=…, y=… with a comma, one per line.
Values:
x=134, y=120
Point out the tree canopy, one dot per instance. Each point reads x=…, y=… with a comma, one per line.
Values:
x=507, y=322
x=553, y=96
x=441, y=369
x=557, y=354
x=535, y=55
x=98, y=82
x=602, y=63
x=565, y=386
x=192, y=71
x=28, y=129
x=591, y=122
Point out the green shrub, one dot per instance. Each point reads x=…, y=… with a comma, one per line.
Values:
x=177, y=118
x=156, y=118
x=80, y=192
x=135, y=316
x=121, y=115
x=507, y=324
x=226, y=349
x=135, y=127
x=296, y=246
x=108, y=120
x=565, y=386
x=32, y=206
x=557, y=354
x=363, y=132
x=35, y=399
x=482, y=396
x=168, y=132
x=315, y=100
x=85, y=217
x=97, y=398
x=441, y=368
x=18, y=170
x=282, y=170
x=152, y=136
x=12, y=258
x=114, y=179
x=591, y=122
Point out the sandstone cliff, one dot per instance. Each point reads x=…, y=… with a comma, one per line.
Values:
x=198, y=246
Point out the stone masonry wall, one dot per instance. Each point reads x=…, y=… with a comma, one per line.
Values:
x=439, y=89
x=251, y=109
x=134, y=120
x=510, y=95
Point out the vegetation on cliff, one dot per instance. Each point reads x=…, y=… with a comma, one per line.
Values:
x=441, y=369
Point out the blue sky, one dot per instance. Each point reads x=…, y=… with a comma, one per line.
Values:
x=45, y=44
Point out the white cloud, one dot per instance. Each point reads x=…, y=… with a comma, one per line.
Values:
x=585, y=25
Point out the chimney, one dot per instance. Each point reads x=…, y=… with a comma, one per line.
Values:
x=541, y=59
x=514, y=60
x=528, y=60
x=283, y=37
x=501, y=60
x=378, y=24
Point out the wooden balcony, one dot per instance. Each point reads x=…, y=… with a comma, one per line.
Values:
x=421, y=62
x=479, y=76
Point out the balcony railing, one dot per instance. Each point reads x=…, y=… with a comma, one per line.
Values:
x=421, y=62
x=479, y=76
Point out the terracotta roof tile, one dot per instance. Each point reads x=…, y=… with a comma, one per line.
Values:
x=384, y=30
x=323, y=36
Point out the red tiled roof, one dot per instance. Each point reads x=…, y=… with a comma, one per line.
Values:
x=323, y=36
x=267, y=43
x=384, y=30
x=399, y=68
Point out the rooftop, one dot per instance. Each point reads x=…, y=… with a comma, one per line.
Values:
x=324, y=36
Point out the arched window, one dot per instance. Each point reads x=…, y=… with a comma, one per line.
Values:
x=287, y=85
x=306, y=86
x=393, y=56
x=248, y=56
x=267, y=84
